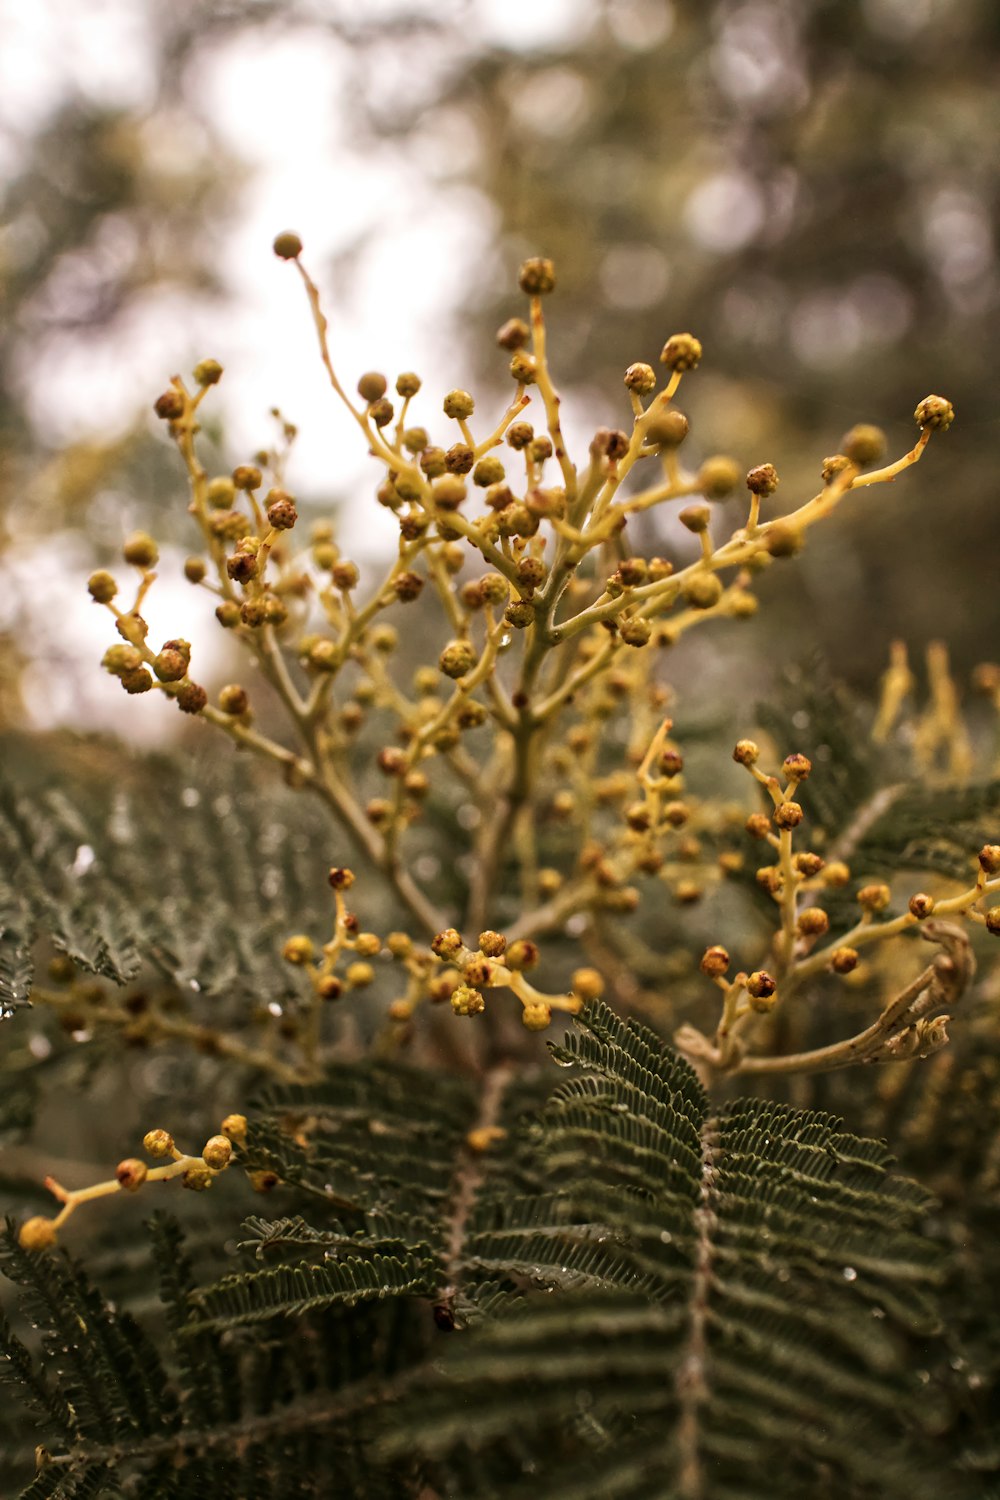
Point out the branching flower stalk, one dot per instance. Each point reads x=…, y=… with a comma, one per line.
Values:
x=562, y=622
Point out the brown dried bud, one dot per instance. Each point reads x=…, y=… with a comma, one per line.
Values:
x=519, y=435
x=287, y=245
x=191, y=698
x=761, y=985
x=610, y=443
x=171, y=665
x=407, y=586
x=813, y=922
x=170, y=405
x=921, y=906
x=746, y=753
x=758, y=825
x=993, y=921
x=281, y=512
x=513, y=334
x=763, y=480
x=695, y=518
x=989, y=859
x=537, y=276
x=247, y=477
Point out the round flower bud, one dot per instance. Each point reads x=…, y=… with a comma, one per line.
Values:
x=488, y=471
x=170, y=405
x=702, y=590
x=836, y=874
x=667, y=429
x=458, y=404
x=524, y=367
x=993, y=921
x=921, y=906
x=671, y=762
x=833, y=466
x=788, y=815
x=415, y=439
x=407, y=586
x=247, y=477
x=121, y=658
x=447, y=944
x=263, y=1181
x=863, y=445
x=329, y=987
x=746, y=753
x=340, y=878
x=37, y=1233
x=763, y=480
x=640, y=378
x=141, y=550
x=191, y=698
x=761, y=985
x=345, y=575
x=715, y=961
x=170, y=665
x=587, y=983
x=796, y=767
x=934, y=412
x=131, y=1174
x=522, y=953
x=519, y=435
x=635, y=631
x=235, y=1127
x=813, y=922
x=207, y=372
x=537, y=276
x=492, y=943
x=536, y=1016
x=381, y=412
x=298, y=950
x=234, y=700
x=102, y=587
x=465, y=1001
x=158, y=1142
x=459, y=458
x=513, y=334
x=682, y=351
x=217, y=1151
x=989, y=859
x=281, y=512
x=718, y=477
x=874, y=897
x=196, y=1179
x=228, y=614
x=608, y=442
x=807, y=864
x=844, y=960
x=399, y=944
x=137, y=681
x=407, y=384
x=195, y=569
x=457, y=658
x=287, y=245
x=695, y=518
x=783, y=540
x=449, y=491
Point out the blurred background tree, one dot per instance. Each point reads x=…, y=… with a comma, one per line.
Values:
x=812, y=188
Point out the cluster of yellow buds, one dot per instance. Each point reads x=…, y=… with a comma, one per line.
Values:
x=796, y=881
x=195, y=1173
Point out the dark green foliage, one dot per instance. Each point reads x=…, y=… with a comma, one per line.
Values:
x=151, y=874
x=705, y=1342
